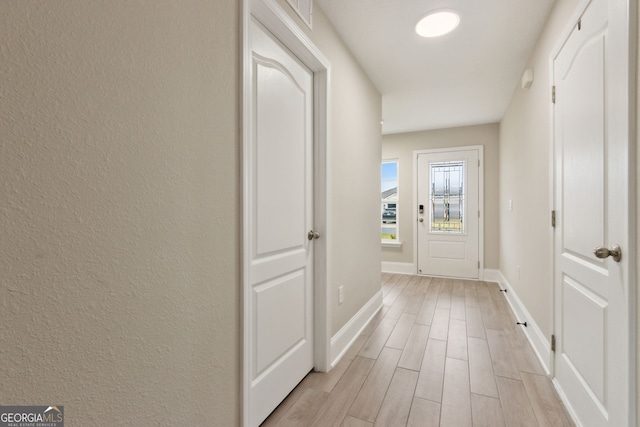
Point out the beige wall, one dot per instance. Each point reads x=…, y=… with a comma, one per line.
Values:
x=638, y=219
x=401, y=146
x=525, y=232
x=638, y=264
x=355, y=139
x=119, y=294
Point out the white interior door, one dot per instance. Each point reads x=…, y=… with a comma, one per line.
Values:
x=448, y=213
x=280, y=189
x=592, y=308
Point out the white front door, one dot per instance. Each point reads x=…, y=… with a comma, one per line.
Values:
x=592, y=296
x=448, y=212
x=279, y=186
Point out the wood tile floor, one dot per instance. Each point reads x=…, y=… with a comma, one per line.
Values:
x=441, y=352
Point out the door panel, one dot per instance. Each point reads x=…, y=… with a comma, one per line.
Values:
x=455, y=251
x=584, y=318
x=279, y=331
x=583, y=148
x=280, y=201
x=590, y=313
x=280, y=187
x=448, y=225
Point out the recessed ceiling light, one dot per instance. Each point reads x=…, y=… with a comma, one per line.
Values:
x=438, y=24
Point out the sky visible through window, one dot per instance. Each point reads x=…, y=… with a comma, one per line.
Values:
x=389, y=176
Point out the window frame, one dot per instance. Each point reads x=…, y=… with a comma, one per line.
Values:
x=396, y=200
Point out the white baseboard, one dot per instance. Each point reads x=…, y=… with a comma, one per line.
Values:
x=398, y=267
x=540, y=343
x=343, y=339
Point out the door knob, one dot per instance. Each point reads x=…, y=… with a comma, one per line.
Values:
x=313, y=235
x=421, y=219
x=615, y=252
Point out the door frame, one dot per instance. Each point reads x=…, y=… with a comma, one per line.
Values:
x=623, y=27
x=480, y=149
x=271, y=15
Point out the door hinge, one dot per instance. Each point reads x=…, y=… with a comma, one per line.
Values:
x=553, y=343
x=478, y=214
x=553, y=219
x=553, y=94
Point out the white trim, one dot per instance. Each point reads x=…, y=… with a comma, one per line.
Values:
x=271, y=15
x=541, y=344
x=480, y=149
x=345, y=337
x=246, y=111
x=623, y=29
x=398, y=267
x=388, y=243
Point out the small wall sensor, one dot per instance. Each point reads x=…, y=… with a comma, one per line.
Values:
x=527, y=78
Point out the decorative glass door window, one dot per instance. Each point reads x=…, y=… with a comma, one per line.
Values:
x=447, y=197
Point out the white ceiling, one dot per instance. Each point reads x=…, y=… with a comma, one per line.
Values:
x=463, y=78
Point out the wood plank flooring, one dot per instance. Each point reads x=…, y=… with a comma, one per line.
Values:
x=441, y=352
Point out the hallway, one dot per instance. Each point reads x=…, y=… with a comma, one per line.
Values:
x=440, y=352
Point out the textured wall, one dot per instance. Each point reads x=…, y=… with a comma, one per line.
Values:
x=401, y=146
x=119, y=281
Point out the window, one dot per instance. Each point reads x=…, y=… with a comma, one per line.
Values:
x=389, y=201
x=447, y=197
